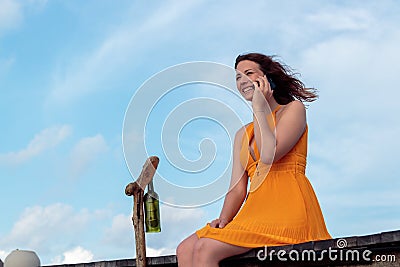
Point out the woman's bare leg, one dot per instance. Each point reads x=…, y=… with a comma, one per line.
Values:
x=200, y=252
x=208, y=252
x=184, y=251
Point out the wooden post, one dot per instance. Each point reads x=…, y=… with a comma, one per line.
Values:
x=137, y=190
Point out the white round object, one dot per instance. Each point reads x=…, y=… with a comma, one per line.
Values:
x=22, y=258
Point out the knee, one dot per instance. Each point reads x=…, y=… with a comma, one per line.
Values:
x=184, y=252
x=180, y=250
x=201, y=252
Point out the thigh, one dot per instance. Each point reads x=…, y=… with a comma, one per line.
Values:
x=217, y=250
x=185, y=248
x=190, y=240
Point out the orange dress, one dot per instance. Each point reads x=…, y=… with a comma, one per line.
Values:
x=283, y=208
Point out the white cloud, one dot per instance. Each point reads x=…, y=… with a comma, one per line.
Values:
x=10, y=14
x=151, y=252
x=342, y=19
x=176, y=224
x=38, y=225
x=74, y=256
x=85, y=152
x=86, y=72
x=356, y=72
x=356, y=129
x=354, y=125
x=46, y=139
x=48, y=230
x=355, y=112
x=120, y=234
x=3, y=255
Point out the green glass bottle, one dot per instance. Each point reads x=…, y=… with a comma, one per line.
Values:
x=152, y=210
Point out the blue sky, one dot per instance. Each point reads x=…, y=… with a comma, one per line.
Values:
x=68, y=70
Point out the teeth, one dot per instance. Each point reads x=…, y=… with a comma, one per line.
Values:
x=247, y=89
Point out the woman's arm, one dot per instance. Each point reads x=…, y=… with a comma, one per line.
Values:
x=289, y=128
x=238, y=186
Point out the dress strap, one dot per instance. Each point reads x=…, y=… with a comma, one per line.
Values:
x=277, y=108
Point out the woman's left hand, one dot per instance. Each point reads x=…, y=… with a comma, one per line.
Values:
x=218, y=223
x=262, y=94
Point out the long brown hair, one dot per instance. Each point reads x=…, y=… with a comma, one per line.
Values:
x=287, y=86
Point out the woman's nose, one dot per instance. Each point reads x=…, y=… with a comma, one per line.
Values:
x=244, y=80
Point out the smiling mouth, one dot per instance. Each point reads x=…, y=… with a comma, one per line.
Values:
x=248, y=89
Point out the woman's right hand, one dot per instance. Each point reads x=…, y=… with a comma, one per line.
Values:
x=218, y=223
x=262, y=94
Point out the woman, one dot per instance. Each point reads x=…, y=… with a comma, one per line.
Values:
x=280, y=207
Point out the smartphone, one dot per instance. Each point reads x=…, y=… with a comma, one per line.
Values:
x=270, y=82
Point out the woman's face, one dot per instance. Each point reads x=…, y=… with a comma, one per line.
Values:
x=246, y=73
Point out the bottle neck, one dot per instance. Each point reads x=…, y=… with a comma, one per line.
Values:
x=150, y=187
